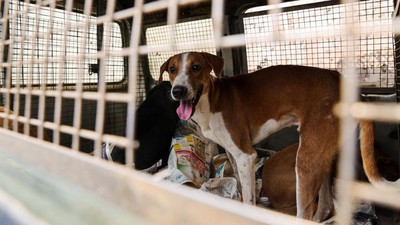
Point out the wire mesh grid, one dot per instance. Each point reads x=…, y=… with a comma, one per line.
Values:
x=51, y=60
x=193, y=32
x=35, y=29
x=373, y=53
x=46, y=53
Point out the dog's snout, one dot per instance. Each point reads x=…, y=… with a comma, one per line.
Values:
x=179, y=92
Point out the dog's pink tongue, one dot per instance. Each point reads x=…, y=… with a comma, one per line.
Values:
x=184, y=110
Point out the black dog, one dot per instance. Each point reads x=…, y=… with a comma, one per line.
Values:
x=156, y=121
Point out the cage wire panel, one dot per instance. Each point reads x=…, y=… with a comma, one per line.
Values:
x=50, y=41
x=72, y=77
x=373, y=45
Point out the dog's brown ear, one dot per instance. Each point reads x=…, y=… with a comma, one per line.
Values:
x=216, y=62
x=163, y=68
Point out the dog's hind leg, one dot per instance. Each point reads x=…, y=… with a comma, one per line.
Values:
x=325, y=200
x=314, y=160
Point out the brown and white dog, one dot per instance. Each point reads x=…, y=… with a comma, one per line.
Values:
x=239, y=111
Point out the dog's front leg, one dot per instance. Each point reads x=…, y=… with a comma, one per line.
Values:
x=245, y=167
x=242, y=156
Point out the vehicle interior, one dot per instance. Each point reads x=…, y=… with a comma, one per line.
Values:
x=74, y=74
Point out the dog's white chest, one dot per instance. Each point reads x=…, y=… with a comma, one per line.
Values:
x=216, y=131
x=212, y=125
x=207, y=129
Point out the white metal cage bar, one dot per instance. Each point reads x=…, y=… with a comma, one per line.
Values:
x=346, y=169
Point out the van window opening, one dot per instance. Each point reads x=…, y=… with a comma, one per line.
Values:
x=58, y=63
x=374, y=59
x=185, y=33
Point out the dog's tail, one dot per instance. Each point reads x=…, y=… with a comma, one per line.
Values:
x=368, y=158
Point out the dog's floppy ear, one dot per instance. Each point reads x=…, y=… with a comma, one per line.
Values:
x=163, y=68
x=216, y=62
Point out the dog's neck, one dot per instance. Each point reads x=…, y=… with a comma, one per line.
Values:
x=202, y=117
x=204, y=107
x=201, y=114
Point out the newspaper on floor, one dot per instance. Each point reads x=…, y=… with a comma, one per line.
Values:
x=191, y=155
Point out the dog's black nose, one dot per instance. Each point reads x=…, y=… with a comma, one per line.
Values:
x=179, y=91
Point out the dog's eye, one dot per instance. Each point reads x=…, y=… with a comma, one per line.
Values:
x=196, y=68
x=172, y=70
